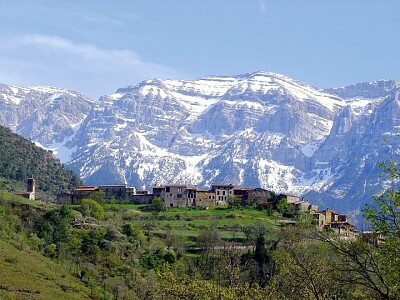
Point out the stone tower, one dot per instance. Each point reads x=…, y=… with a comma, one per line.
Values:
x=30, y=187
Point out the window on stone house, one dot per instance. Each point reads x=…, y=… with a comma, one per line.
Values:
x=179, y=196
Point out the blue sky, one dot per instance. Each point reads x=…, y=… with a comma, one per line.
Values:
x=98, y=46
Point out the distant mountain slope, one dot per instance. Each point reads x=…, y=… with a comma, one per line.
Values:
x=259, y=129
x=20, y=158
x=47, y=115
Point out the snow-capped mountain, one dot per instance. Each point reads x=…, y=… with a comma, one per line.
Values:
x=259, y=129
x=47, y=115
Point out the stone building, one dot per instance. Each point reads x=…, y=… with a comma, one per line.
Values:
x=259, y=196
x=30, y=189
x=176, y=195
x=205, y=198
x=292, y=198
x=142, y=197
x=84, y=191
x=329, y=219
x=319, y=219
x=222, y=193
x=120, y=192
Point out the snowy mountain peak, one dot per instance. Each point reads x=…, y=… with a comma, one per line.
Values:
x=256, y=129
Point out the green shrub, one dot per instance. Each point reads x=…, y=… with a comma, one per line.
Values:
x=50, y=251
x=92, y=209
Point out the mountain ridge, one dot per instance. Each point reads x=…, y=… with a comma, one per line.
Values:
x=256, y=129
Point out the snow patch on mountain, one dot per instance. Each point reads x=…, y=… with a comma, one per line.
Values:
x=258, y=129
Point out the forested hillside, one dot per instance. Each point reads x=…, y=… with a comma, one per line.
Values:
x=20, y=159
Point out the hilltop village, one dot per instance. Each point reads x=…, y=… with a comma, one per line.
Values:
x=183, y=195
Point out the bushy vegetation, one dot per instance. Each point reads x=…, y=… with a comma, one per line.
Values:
x=121, y=251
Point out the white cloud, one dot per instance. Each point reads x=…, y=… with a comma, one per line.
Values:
x=52, y=60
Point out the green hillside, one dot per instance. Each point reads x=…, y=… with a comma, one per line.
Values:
x=26, y=274
x=20, y=159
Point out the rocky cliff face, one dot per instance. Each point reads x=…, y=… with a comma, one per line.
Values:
x=49, y=116
x=260, y=129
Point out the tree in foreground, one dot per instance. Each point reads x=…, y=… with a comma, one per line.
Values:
x=373, y=265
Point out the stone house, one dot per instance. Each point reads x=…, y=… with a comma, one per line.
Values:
x=300, y=206
x=205, y=198
x=241, y=193
x=339, y=223
x=292, y=198
x=142, y=197
x=176, y=195
x=222, y=193
x=333, y=217
x=83, y=191
x=259, y=196
x=319, y=220
x=65, y=197
x=142, y=192
x=121, y=192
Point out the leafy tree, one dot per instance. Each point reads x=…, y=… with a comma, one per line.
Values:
x=91, y=241
x=234, y=201
x=375, y=267
x=283, y=207
x=306, y=270
x=53, y=226
x=50, y=251
x=99, y=197
x=173, y=240
x=158, y=204
x=157, y=259
x=384, y=216
x=92, y=209
x=208, y=240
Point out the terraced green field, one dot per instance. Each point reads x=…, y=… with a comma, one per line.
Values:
x=231, y=223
